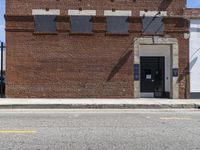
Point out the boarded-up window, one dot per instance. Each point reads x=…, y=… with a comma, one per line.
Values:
x=153, y=25
x=81, y=24
x=117, y=24
x=45, y=23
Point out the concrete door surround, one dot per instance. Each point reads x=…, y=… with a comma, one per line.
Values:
x=174, y=92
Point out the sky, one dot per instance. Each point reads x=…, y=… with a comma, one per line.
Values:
x=191, y=4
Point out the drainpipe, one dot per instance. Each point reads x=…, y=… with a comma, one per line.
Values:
x=2, y=69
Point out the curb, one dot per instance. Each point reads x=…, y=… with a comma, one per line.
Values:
x=100, y=106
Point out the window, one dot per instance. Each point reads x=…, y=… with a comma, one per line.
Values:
x=153, y=24
x=45, y=23
x=117, y=24
x=81, y=24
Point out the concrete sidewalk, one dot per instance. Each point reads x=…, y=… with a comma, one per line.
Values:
x=98, y=104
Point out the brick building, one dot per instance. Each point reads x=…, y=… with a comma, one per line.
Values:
x=97, y=49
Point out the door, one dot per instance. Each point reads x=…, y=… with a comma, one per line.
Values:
x=152, y=76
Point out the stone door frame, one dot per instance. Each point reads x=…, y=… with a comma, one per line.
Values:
x=173, y=42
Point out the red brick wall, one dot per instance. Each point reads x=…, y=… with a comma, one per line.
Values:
x=192, y=13
x=24, y=7
x=65, y=65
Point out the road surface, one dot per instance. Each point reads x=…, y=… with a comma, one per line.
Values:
x=100, y=129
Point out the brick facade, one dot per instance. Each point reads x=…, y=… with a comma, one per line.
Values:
x=192, y=13
x=96, y=65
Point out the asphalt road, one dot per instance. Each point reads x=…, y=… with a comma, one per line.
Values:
x=99, y=129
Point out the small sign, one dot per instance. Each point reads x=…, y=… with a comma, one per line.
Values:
x=136, y=72
x=175, y=72
x=148, y=76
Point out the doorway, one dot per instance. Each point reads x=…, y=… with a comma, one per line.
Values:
x=158, y=47
x=152, y=75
